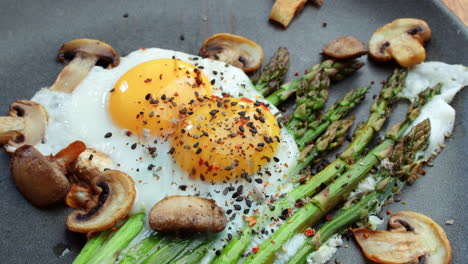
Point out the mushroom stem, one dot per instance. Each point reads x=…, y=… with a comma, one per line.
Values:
x=10, y=128
x=84, y=54
x=71, y=76
x=25, y=125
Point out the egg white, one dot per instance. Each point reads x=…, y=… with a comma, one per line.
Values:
x=83, y=115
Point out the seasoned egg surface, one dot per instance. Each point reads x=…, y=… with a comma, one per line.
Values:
x=178, y=125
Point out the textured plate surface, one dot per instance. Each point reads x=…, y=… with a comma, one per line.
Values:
x=32, y=31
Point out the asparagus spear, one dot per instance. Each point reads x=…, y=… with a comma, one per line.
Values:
x=142, y=249
x=336, y=192
x=380, y=110
x=312, y=94
x=273, y=73
x=349, y=214
x=91, y=247
x=194, y=255
x=110, y=249
x=405, y=167
x=336, y=70
x=340, y=109
x=167, y=252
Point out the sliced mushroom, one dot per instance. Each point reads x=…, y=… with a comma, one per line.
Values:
x=26, y=125
x=181, y=213
x=40, y=179
x=90, y=164
x=115, y=193
x=84, y=54
x=412, y=238
x=401, y=40
x=345, y=48
x=283, y=11
x=233, y=49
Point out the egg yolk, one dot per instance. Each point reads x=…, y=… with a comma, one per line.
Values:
x=225, y=138
x=149, y=97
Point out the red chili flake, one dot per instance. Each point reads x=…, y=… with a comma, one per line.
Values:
x=225, y=95
x=254, y=250
x=298, y=205
x=176, y=94
x=128, y=133
x=309, y=232
x=388, y=212
x=139, y=181
x=272, y=241
x=148, y=80
x=366, y=235
x=210, y=168
x=200, y=162
x=140, y=158
x=243, y=99
x=328, y=217
x=306, y=71
x=160, y=76
x=142, y=48
x=296, y=74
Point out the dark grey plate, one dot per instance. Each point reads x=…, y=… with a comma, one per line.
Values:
x=32, y=31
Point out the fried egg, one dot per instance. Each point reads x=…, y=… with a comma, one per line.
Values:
x=178, y=125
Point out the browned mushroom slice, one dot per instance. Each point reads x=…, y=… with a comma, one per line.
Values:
x=90, y=164
x=401, y=40
x=180, y=213
x=412, y=238
x=80, y=198
x=26, y=125
x=345, y=48
x=115, y=193
x=40, y=179
x=233, y=49
x=84, y=54
x=283, y=11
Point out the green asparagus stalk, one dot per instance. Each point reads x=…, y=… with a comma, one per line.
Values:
x=311, y=95
x=142, y=249
x=349, y=214
x=195, y=254
x=333, y=137
x=273, y=74
x=110, y=249
x=336, y=192
x=165, y=253
x=380, y=110
x=404, y=168
x=91, y=247
x=336, y=70
x=340, y=109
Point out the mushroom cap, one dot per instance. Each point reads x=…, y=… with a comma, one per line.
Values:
x=345, y=48
x=92, y=47
x=402, y=40
x=90, y=164
x=116, y=191
x=412, y=237
x=183, y=213
x=233, y=49
x=41, y=181
x=35, y=122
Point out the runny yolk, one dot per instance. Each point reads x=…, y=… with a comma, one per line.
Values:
x=225, y=138
x=149, y=97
